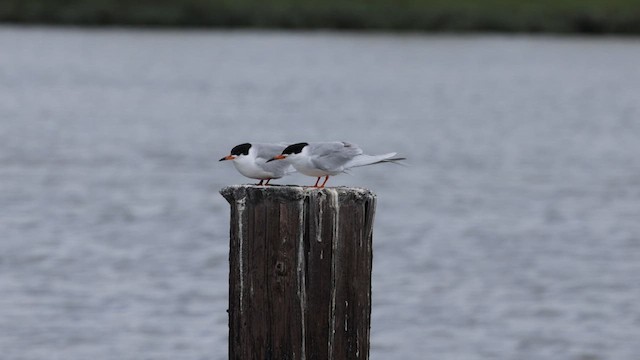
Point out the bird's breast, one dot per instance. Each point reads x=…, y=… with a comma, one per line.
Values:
x=253, y=170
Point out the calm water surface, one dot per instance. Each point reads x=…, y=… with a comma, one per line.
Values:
x=514, y=234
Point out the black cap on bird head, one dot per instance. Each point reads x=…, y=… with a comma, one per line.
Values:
x=294, y=148
x=242, y=149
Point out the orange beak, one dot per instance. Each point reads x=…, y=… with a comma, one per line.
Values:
x=228, y=157
x=277, y=157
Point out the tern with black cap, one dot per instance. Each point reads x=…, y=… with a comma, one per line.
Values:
x=326, y=159
x=251, y=160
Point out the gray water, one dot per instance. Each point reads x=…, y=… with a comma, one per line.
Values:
x=513, y=234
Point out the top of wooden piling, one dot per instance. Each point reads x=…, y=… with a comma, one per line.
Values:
x=290, y=192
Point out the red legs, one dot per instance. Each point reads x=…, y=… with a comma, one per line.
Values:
x=326, y=178
x=265, y=184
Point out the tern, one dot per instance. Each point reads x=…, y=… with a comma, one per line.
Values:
x=326, y=159
x=250, y=159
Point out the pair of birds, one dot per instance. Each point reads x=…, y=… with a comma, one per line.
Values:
x=320, y=159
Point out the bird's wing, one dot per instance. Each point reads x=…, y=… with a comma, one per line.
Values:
x=332, y=155
x=268, y=151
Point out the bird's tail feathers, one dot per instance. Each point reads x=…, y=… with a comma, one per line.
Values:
x=364, y=160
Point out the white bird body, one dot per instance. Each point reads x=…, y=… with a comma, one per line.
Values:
x=329, y=158
x=325, y=158
x=251, y=161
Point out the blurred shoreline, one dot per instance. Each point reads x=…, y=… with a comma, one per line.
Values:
x=459, y=16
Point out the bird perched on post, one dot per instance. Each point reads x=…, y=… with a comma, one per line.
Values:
x=250, y=159
x=326, y=159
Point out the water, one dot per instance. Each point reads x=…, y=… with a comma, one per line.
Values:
x=514, y=234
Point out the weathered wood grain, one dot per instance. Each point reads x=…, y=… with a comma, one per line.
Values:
x=300, y=272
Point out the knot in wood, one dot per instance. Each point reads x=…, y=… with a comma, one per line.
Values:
x=281, y=268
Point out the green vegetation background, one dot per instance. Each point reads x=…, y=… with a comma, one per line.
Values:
x=559, y=16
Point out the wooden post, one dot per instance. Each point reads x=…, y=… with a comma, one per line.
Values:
x=300, y=272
